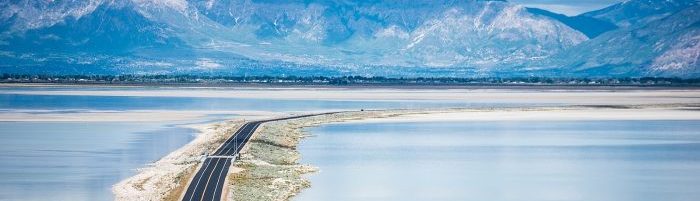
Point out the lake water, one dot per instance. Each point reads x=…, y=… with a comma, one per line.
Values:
x=17, y=101
x=76, y=160
x=82, y=160
x=532, y=160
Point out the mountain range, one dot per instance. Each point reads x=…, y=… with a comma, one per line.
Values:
x=395, y=38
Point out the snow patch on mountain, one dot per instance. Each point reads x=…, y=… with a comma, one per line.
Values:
x=31, y=14
x=207, y=63
x=683, y=56
x=500, y=34
x=454, y=38
x=662, y=47
x=392, y=31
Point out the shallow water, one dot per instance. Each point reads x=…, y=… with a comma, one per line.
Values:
x=76, y=160
x=82, y=160
x=56, y=102
x=591, y=160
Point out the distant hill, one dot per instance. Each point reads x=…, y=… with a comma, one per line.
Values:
x=632, y=13
x=429, y=38
x=590, y=26
x=668, y=45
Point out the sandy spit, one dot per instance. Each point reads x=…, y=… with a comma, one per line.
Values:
x=164, y=179
x=269, y=167
x=268, y=153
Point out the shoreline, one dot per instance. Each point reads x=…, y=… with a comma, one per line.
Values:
x=515, y=97
x=163, y=179
x=361, y=86
x=90, y=115
x=269, y=167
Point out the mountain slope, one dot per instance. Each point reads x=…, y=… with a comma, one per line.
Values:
x=469, y=38
x=388, y=33
x=478, y=35
x=107, y=29
x=639, y=12
x=592, y=27
x=669, y=46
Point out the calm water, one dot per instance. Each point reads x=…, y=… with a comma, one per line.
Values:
x=60, y=102
x=9, y=100
x=593, y=160
x=78, y=161
x=82, y=160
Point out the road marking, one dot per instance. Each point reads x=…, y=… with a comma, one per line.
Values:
x=229, y=157
x=200, y=179
x=247, y=137
x=250, y=127
x=230, y=139
x=218, y=179
x=239, y=145
x=209, y=179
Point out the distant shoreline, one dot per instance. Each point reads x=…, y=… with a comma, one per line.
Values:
x=271, y=158
x=360, y=86
x=346, y=81
x=270, y=166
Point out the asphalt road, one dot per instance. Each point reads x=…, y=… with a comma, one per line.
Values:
x=209, y=181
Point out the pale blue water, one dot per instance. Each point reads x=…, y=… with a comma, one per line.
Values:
x=82, y=160
x=591, y=160
x=75, y=160
x=8, y=100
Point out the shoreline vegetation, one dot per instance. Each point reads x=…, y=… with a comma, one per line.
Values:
x=204, y=80
x=269, y=166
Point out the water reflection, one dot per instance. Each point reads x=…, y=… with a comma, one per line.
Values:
x=78, y=161
x=604, y=160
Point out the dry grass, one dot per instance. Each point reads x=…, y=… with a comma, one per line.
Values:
x=182, y=181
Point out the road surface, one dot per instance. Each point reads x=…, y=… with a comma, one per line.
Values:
x=208, y=183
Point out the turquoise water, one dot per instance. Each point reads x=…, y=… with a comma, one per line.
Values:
x=533, y=160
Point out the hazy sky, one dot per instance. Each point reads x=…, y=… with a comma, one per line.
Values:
x=568, y=7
